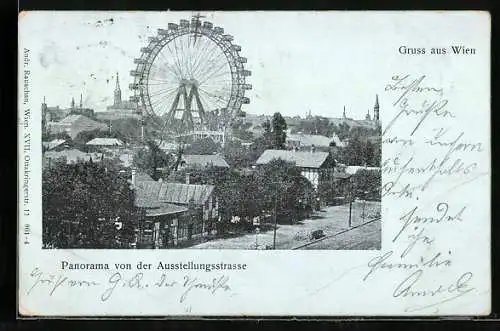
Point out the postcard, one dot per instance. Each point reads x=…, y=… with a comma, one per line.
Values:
x=254, y=164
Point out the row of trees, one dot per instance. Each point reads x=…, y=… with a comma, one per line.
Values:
x=278, y=184
x=322, y=126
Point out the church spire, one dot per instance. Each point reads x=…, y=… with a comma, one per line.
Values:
x=117, y=82
x=118, y=92
x=376, y=109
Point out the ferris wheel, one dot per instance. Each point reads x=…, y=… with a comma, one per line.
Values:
x=189, y=73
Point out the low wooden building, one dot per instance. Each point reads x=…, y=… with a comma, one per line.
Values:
x=173, y=214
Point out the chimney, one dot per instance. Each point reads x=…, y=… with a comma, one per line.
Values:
x=187, y=178
x=133, y=177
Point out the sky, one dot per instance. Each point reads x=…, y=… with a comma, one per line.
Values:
x=300, y=61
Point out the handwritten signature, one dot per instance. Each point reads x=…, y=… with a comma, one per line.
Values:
x=446, y=292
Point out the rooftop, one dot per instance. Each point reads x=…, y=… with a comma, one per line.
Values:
x=154, y=194
x=214, y=160
x=310, y=139
x=301, y=159
x=105, y=142
x=354, y=169
x=184, y=193
x=53, y=144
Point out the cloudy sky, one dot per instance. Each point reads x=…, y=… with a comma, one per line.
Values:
x=299, y=61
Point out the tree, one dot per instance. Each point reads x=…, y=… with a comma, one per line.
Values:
x=368, y=184
x=127, y=129
x=240, y=130
x=81, y=203
x=369, y=152
x=278, y=131
x=280, y=185
x=150, y=158
x=343, y=131
x=238, y=156
x=203, y=146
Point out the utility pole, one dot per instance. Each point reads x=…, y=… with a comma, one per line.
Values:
x=350, y=211
x=364, y=204
x=351, y=197
x=275, y=217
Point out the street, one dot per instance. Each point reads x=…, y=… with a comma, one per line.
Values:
x=333, y=221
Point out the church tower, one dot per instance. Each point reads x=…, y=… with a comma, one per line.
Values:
x=118, y=93
x=376, y=109
x=367, y=117
x=343, y=115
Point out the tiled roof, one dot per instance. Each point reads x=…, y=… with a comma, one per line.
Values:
x=183, y=193
x=301, y=159
x=146, y=194
x=153, y=194
x=206, y=160
x=105, y=142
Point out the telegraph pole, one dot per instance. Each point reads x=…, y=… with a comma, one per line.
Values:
x=351, y=197
x=350, y=211
x=275, y=217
